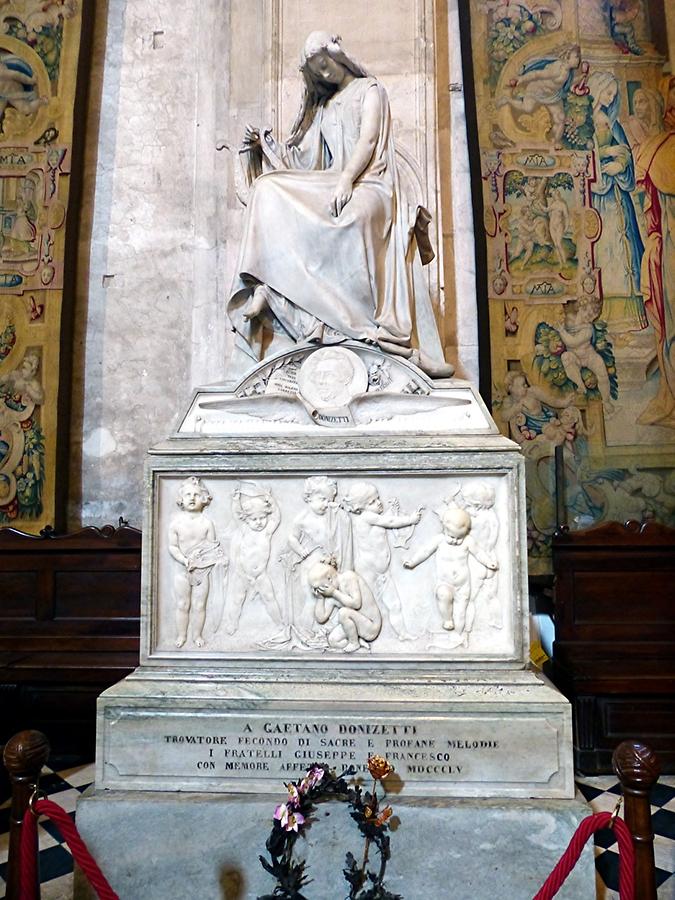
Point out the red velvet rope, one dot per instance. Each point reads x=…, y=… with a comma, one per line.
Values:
x=28, y=854
x=568, y=860
x=78, y=848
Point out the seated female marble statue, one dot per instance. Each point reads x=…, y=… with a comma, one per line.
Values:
x=332, y=246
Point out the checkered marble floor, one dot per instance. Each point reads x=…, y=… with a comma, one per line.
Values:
x=63, y=784
x=602, y=793
x=65, y=781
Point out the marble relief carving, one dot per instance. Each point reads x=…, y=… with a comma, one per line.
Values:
x=321, y=530
x=331, y=377
x=325, y=564
x=479, y=501
x=193, y=545
x=451, y=549
x=345, y=597
x=329, y=387
x=258, y=517
x=372, y=524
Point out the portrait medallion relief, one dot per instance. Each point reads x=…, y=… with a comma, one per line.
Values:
x=331, y=377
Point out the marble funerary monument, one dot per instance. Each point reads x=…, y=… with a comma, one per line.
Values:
x=334, y=543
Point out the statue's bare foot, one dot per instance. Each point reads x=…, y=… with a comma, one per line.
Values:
x=405, y=636
x=350, y=648
x=257, y=303
x=449, y=625
x=199, y=641
x=179, y=642
x=283, y=636
x=431, y=367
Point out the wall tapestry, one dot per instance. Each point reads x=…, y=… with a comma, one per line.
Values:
x=39, y=52
x=577, y=136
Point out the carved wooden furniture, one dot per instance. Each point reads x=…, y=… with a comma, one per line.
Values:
x=614, y=652
x=69, y=628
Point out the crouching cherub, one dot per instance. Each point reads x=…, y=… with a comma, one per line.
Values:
x=193, y=544
x=452, y=548
x=358, y=621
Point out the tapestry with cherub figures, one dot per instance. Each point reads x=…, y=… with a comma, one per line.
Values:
x=39, y=53
x=577, y=138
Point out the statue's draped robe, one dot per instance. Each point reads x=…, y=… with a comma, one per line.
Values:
x=357, y=275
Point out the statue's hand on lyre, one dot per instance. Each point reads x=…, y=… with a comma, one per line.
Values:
x=251, y=137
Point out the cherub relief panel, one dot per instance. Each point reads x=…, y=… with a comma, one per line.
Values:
x=325, y=565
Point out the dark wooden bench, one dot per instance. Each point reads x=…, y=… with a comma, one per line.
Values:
x=614, y=650
x=69, y=628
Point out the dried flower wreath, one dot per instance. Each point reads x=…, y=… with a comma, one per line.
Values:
x=290, y=818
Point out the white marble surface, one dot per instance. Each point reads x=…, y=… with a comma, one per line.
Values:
x=424, y=533
x=203, y=846
x=166, y=218
x=478, y=735
x=259, y=599
x=427, y=641
x=382, y=394
x=462, y=211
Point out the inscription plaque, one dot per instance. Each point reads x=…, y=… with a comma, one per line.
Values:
x=224, y=751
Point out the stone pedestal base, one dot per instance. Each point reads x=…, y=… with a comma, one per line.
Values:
x=482, y=734
x=153, y=846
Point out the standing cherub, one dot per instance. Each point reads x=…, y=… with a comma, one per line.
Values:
x=259, y=514
x=193, y=544
x=453, y=577
x=358, y=616
x=371, y=542
x=479, y=498
x=319, y=530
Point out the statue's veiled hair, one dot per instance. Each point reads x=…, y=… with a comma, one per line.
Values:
x=316, y=92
